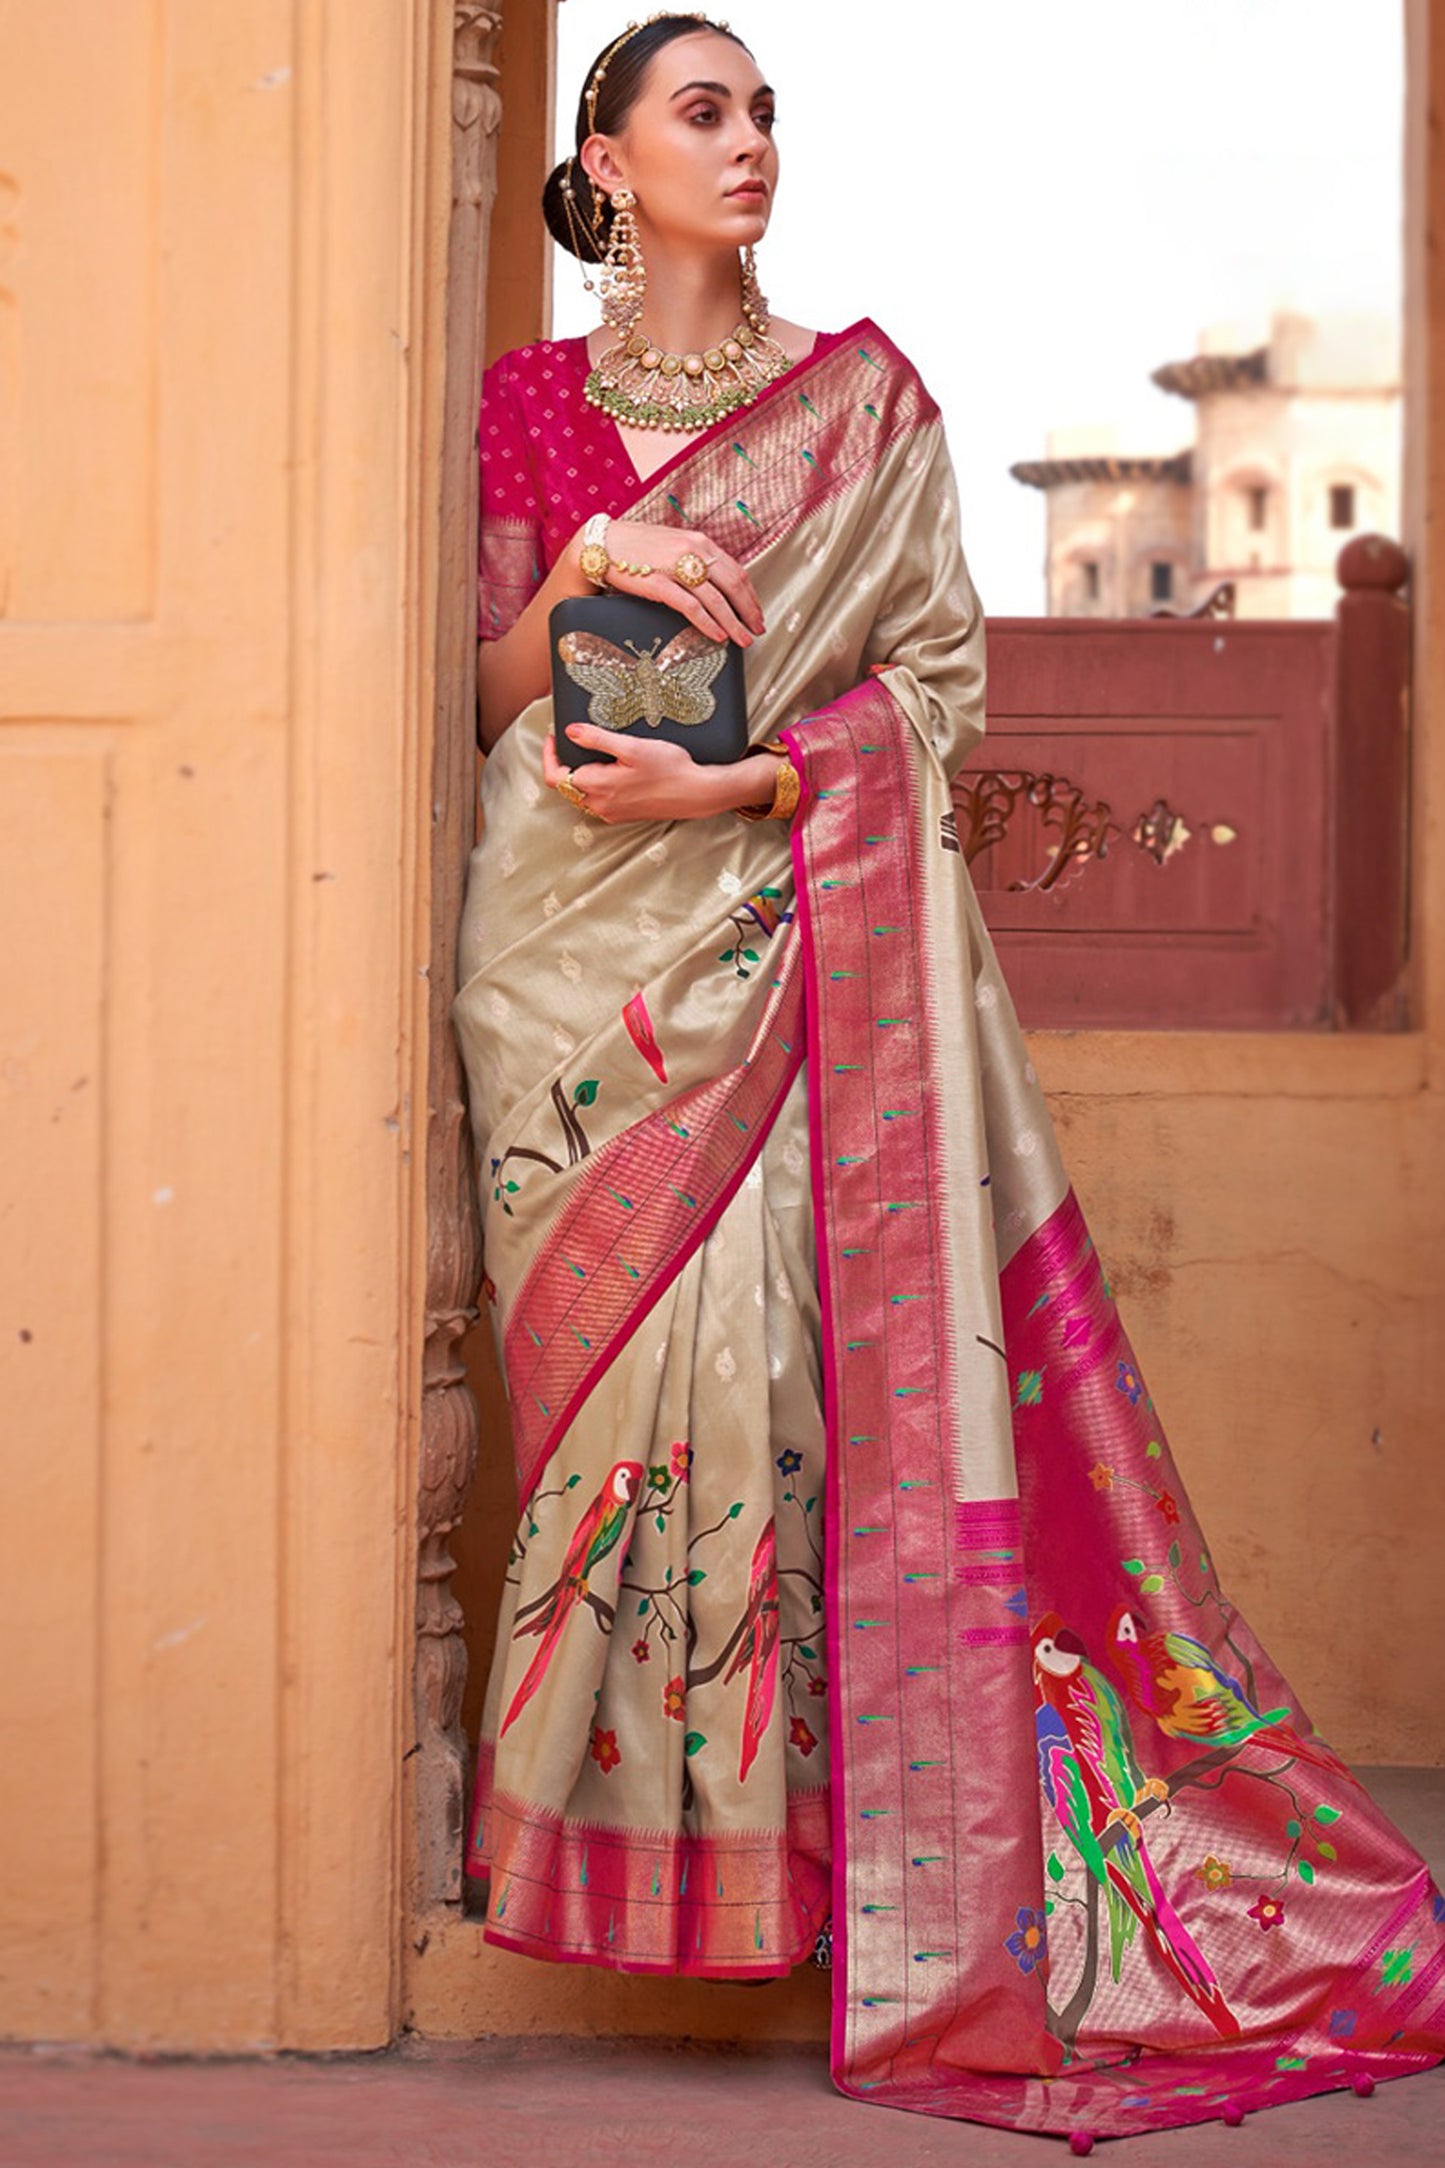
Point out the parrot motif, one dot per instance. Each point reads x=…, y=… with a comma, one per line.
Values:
x=1177, y=1681
x=758, y=1646
x=1092, y=1779
x=598, y=1532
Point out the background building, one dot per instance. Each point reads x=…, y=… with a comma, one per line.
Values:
x=1297, y=446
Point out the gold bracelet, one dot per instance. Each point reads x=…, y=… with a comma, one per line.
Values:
x=787, y=788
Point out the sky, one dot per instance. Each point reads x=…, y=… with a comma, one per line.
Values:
x=1040, y=201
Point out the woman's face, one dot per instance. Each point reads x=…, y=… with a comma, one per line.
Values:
x=697, y=150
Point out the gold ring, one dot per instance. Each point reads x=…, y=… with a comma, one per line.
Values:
x=572, y=794
x=690, y=569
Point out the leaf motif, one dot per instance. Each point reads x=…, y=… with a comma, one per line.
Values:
x=734, y=1511
x=1305, y=1870
x=1175, y=1554
x=693, y=1741
x=1151, y=1584
x=1327, y=1814
x=698, y=1573
x=586, y=1093
x=1056, y=1867
x=1133, y=1565
x=1326, y=1851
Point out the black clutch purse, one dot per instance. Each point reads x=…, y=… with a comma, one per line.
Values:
x=627, y=664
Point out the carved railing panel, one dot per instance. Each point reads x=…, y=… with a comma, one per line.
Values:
x=1147, y=820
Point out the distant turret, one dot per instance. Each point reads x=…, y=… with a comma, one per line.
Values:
x=1297, y=445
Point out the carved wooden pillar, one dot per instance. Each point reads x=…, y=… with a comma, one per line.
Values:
x=448, y=1444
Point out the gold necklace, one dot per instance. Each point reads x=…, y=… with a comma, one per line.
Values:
x=647, y=387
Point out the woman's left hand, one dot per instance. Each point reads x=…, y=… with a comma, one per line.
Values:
x=658, y=781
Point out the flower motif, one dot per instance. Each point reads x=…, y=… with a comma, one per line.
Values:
x=679, y=1460
x=1214, y=1873
x=817, y=1685
x=1167, y=1504
x=658, y=1477
x=1269, y=1912
x=1101, y=1475
x=1129, y=1382
x=605, y=1750
x=642, y=1650
x=801, y=1737
x=674, y=1698
x=789, y=1461
x=1028, y=1944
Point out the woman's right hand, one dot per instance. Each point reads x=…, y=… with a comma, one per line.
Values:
x=725, y=606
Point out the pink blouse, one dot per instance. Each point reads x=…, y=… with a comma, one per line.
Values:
x=549, y=459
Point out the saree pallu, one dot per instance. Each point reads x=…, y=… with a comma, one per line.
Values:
x=854, y=1576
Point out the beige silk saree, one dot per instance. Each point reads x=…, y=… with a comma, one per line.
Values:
x=853, y=1577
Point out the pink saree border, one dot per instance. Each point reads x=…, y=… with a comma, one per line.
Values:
x=586, y=1892
x=639, y=1208
x=888, y=1432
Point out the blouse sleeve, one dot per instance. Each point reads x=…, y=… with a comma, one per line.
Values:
x=511, y=564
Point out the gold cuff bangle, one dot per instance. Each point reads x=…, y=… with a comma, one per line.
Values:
x=787, y=787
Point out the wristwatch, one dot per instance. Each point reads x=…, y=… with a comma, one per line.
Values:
x=592, y=559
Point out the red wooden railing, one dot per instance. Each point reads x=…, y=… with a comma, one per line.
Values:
x=1180, y=822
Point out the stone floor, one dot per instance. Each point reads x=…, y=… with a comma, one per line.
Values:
x=553, y=2104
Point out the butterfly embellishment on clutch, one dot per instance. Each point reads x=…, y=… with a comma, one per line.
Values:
x=634, y=685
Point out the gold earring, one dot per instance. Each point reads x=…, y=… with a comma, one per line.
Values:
x=623, y=280
x=755, y=307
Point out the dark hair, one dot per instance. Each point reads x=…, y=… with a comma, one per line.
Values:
x=619, y=91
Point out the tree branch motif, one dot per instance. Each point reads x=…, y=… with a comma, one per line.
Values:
x=574, y=1136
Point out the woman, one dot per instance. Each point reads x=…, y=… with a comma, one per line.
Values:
x=853, y=1575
